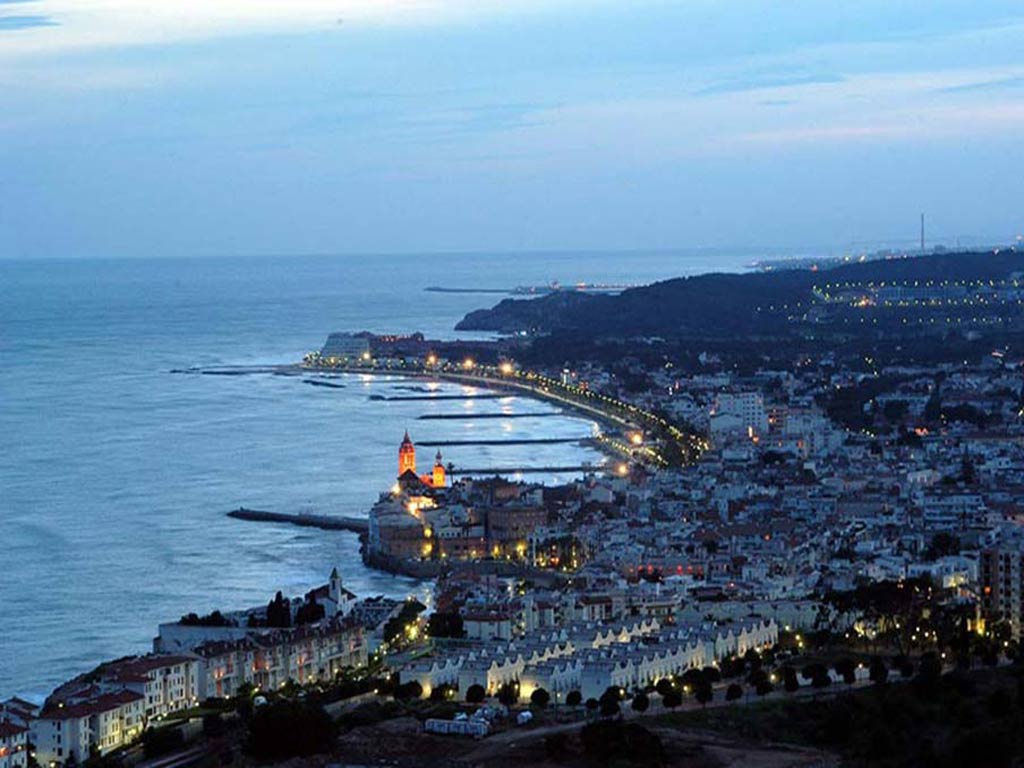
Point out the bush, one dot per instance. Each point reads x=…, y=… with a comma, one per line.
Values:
x=847, y=668
x=508, y=694
x=475, y=694
x=574, y=699
x=641, y=703
x=733, y=692
x=540, y=698
x=441, y=693
x=672, y=699
x=289, y=729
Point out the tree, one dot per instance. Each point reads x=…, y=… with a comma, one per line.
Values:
x=693, y=677
x=712, y=674
x=641, y=703
x=475, y=694
x=574, y=698
x=941, y=545
x=612, y=695
x=672, y=699
x=288, y=729
x=540, y=698
x=609, y=707
x=279, y=613
x=847, y=668
x=764, y=687
x=734, y=692
x=441, y=692
x=757, y=677
x=445, y=625
x=309, y=612
x=818, y=674
x=663, y=686
x=878, y=672
x=704, y=694
x=592, y=704
x=508, y=694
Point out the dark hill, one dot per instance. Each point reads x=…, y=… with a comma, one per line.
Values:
x=722, y=305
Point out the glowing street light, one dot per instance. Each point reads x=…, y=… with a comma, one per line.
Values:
x=468, y=363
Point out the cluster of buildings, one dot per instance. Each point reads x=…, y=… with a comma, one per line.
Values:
x=193, y=660
x=818, y=478
x=423, y=518
x=587, y=657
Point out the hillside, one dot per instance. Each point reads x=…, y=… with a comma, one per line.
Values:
x=926, y=293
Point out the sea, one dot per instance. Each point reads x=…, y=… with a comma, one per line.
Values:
x=116, y=474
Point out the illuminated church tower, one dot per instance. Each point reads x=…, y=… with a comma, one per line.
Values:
x=406, y=456
x=437, y=477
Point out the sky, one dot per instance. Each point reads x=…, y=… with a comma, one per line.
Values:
x=216, y=127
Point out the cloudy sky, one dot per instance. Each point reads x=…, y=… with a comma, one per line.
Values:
x=132, y=127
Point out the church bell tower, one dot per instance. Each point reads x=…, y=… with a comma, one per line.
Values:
x=406, y=456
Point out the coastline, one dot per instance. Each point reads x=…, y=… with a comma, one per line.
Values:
x=524, y=390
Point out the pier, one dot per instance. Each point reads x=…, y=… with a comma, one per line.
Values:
x=487, y=471
x=471, y=415
x=400, y=398
x=512, y=441
x=358, y=525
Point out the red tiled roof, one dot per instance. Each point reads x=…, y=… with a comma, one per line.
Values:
x=104, y=703
x=10, y=729
x=140, y=667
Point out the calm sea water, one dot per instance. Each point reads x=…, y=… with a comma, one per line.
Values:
x=115, y=474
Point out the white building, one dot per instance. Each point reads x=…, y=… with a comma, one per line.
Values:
x=13, y=745
x=736, y=416
x=76, y=729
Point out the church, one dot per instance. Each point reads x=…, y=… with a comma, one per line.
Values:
x=436, y=478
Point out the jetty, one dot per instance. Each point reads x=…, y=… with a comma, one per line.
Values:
x=472, y=415
x=508, y=441
x=358, y=525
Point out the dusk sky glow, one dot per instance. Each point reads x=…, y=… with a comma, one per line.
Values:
x=259, y=127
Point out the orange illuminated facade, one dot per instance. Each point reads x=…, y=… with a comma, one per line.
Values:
x=436, y=478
